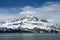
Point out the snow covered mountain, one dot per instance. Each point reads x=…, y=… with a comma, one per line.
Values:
x=29, y=24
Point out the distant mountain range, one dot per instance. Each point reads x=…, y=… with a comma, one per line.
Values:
x=28, y=24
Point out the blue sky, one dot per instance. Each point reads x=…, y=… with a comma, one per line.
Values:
x=6, y=4
x=43, y=9
x=22, y=3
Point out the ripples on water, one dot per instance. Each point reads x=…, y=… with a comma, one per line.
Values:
x=28, y=36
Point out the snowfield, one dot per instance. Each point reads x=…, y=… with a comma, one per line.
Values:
x=30, y=23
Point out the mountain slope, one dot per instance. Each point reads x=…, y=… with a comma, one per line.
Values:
x=30, y=24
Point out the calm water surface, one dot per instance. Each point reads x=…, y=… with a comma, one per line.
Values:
x=28, y=36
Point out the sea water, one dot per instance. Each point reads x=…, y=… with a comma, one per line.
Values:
x=29, y=36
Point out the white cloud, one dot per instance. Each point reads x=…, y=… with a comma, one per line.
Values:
x=6, y=17
x=50, y=12
x=6, y=14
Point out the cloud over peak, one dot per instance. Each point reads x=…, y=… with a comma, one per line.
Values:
x=50, y=12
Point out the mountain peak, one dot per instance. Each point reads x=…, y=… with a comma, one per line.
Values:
x=28, y=22
x=29, y=18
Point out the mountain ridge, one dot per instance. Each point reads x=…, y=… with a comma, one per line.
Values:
x=29, y=24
